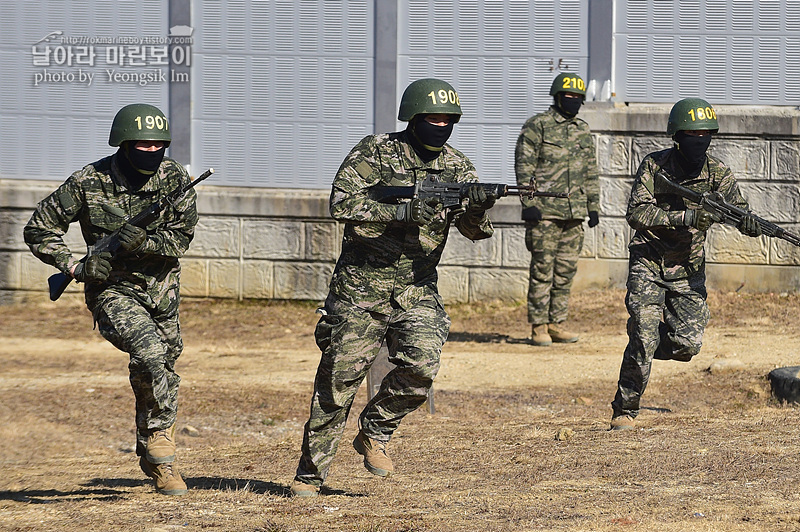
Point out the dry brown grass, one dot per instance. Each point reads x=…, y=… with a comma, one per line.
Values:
x=713, y=452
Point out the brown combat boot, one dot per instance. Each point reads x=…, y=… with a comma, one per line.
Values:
x=301, y=489
x=161, y=446
x=374, y=453
x=560, y=335
x=540, y=336
x=167, y=479
x=623, y=422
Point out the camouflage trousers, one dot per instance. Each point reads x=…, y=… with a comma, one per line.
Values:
x=667, y=320
x=350, y=338
x=152, y=338
x=555, y=246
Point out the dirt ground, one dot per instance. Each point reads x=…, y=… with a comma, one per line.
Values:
x=518, y=441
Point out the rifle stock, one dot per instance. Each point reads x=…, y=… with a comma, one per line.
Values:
x=58, y=282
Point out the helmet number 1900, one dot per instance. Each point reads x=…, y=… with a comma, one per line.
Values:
x=444, y=97
x=152, y=122
x=702, y=113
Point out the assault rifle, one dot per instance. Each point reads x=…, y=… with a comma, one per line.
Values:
x=724, y=212
x=59, y=282
x=452, y=194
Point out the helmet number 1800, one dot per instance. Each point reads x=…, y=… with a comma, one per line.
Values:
x=444, y=97
x=152, y=122
x=702, y=113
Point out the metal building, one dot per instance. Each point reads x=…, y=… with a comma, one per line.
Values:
x=275, y=92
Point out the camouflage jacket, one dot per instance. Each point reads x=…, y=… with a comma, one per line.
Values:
x=384, y=262
x=557, y=154
x=661, y=239
x=152, y=274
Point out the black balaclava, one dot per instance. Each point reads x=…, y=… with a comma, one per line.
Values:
x=138, y=166
x=692, y=151
x=426, y=138
x=568, y=107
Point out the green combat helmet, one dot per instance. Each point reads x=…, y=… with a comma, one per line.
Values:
x=568, y=82
x=429, y=96
x=691, y=114
x=139, y=121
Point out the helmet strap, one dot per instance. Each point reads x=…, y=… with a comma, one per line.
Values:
x=138, y=166
x=424, y=153
x=430, y=137
x=567, y=107
x=692, y=152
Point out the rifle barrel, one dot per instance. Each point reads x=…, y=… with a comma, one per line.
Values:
x=203, y=176
x=522, y=190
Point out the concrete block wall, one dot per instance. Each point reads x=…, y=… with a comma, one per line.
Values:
x=762, y=147
x=282, y=244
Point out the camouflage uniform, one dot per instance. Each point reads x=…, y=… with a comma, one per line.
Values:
x=557, y=154
x=383, y=289
x=136, y=308
x=666, y=296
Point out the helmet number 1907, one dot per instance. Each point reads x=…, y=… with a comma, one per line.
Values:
x=444, y=97
x=152, y=122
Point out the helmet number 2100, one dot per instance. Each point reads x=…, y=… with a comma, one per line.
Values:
x=152, y=122
x=573, y=83
x=444, y=97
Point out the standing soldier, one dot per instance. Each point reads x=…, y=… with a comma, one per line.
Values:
x=134, y=295
x=666, y=297
x=384, y=286
x=556, y=152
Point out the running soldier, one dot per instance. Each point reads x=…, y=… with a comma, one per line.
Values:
x=134, y=295
x=384, y=286
x=666, y=297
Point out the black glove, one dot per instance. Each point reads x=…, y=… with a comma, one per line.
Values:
x=417, y=211
x=594, y=218
x=700, y=219
x=95, y=269
x=749, y=225
x=132, y=237
x=531, y=214
x=479, y=200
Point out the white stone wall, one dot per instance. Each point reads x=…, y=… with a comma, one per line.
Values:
x=282, y=244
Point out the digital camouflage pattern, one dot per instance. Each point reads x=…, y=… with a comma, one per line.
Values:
x=666, y=297
x=153, y=340
x=555, y=246
x=667, y=321
x=384, y=288
x=657, y=217
x=136, y=308
x=385, y=263
x=556, y=154
x=350, y=338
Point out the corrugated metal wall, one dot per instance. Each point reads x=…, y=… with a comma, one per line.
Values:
x=727, y=51
x=500, y=56
x=282, y=89
x=49, y=130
